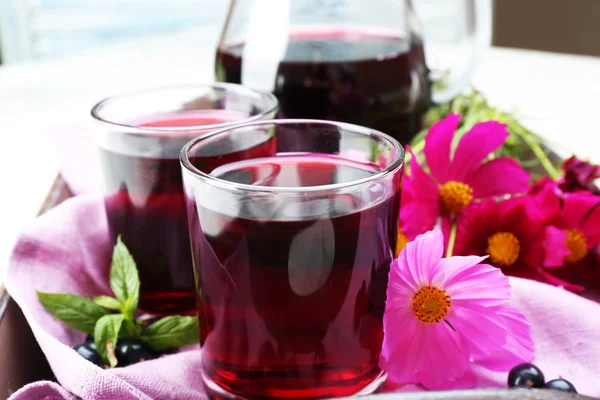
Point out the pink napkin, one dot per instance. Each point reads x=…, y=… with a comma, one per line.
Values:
x=67, y=250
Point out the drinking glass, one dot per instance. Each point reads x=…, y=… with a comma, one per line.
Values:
x=292, y=248
x=140, y=137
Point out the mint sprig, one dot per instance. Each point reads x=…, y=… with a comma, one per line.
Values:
x=124, y=278
x=106, y=335
x=174, y=331
x=76, y=311
x=112, y=318
x=108, y=302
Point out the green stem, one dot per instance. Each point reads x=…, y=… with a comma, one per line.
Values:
x=451, y=240
x=539, y=153
x=418, y=147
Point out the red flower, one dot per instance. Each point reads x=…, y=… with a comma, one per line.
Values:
x=579, y=176
x=511, y=232
x=572, y=241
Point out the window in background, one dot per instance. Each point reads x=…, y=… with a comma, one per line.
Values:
x=38, y=29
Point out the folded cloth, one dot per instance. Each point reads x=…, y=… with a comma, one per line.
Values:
x=67, y=250
x=45, y=390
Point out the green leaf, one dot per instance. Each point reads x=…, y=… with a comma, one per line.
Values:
x=130, y=329
x=107, y=302
x=173, y=331
x=106, y=335
x=76, y=311
x=124, y=279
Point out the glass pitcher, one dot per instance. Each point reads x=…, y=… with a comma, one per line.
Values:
x=356, y=61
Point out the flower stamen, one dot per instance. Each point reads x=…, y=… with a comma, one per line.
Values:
x=503, y=248
x=577, y=244
x=455, y=196
x=431, y=305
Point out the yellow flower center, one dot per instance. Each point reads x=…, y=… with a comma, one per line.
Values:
x=577, y=243
x=455, y=196
x=431, y=305
x=400, y=242
x=503, y=248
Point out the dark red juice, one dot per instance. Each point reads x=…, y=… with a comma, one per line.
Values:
x=145, y=204
x=291, y=306
x=372, y=79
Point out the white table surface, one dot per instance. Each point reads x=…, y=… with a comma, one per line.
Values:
x=557, y=95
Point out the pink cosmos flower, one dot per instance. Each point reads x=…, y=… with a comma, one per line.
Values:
x=456, y=180
x=443, y=316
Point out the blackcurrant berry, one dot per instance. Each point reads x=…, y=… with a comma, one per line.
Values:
x=89, y=353
x=526, y=375
x=131, y=351
x=166, y=352
x=560, y=384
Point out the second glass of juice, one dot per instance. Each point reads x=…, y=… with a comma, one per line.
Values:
x=140, y=138
x=292, y=247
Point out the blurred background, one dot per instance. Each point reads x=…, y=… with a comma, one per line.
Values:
x=45, y=29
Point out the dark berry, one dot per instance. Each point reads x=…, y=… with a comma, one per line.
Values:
x=521, y=387
x=131, y=351
x=89, y=353
x=526, y=375
x=560, y=384
x=165, y=352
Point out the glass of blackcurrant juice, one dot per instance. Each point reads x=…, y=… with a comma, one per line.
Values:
x=140, y=137
x=292, y=246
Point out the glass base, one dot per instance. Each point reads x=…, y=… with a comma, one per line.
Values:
x=217, y=392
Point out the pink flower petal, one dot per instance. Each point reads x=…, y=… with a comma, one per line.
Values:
x=481, y=330
x=466, y=280
x=422, y=255
x=424, y=187
x=401, y=287
x=396, y=321
x=519, y=343
x=546, y=198
x=438, y=145
x=400, y=353
x=498, y=177
x=444, y=363
x=475, y=146
x=430, y=355
x=419, y=216
x=555, y=249
x=583, y=212
x=579, y=213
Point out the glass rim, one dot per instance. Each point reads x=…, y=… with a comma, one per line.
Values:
x=271, y=107
x=232, y=186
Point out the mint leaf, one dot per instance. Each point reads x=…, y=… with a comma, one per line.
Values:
x=130, y=329
x=76, y=311
x=173, y=331
x=107, y=302
x=124, y=279
x=106, y=335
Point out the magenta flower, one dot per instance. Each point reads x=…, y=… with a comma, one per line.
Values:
x=457, y=180
x=443, y=316
x=579, y=176
x=572, y=239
